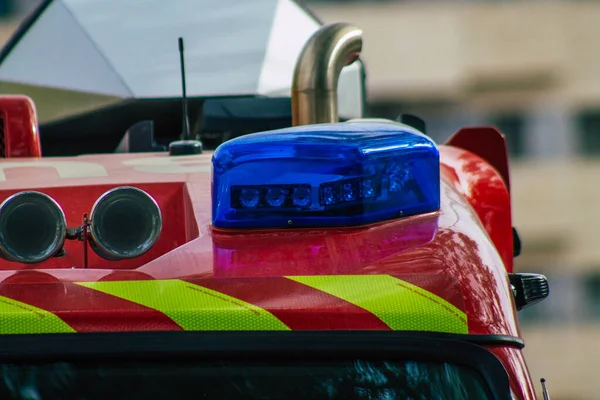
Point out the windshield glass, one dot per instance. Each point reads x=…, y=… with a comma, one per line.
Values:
x=326, y=379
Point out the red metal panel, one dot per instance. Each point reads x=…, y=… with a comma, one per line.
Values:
x=488, y=143
x=20, y=127
x=485, y=190
x=514, y=363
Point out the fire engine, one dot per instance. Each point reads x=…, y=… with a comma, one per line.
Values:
x=325, y=260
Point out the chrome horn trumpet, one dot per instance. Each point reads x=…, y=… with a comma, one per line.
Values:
x=125, y=222
x=32, y=227
x=317, y=71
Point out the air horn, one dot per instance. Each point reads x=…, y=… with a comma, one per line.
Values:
x=125, y=222
x=32, y=227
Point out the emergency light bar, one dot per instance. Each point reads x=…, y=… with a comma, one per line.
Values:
x=325, y=175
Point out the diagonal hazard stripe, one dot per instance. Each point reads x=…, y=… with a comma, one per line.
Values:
x=88, y=310
x=298, y=306
x=401, y=305
x=193, y=307
x=20, y=318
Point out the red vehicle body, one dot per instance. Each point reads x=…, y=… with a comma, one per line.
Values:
x=328, y=280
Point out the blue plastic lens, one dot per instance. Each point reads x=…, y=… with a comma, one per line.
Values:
x=325, y=175
x=301, y=196
x=249, y=197
x=349, y=192
x=275, y=196
x=398, y=180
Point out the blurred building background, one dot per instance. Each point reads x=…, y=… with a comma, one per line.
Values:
x=532, y=69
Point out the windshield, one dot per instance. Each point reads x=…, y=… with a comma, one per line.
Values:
x=327, y=379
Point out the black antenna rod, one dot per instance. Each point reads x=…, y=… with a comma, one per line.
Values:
x=187, y=145
x=186, y=118
x=544, y=389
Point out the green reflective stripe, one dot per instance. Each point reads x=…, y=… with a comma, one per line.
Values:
x=401, y=305
x=21, y=319
x=193, y=307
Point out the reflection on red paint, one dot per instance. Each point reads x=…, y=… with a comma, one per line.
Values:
x=515, y=365
x=36, y=283
x=485, y=190
x=30, y=277
x=126, y=276
x=317, y=252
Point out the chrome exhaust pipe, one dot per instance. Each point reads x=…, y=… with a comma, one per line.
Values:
x=315, y=85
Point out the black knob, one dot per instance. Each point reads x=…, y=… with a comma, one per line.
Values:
x=529, y=289
x=185, y=148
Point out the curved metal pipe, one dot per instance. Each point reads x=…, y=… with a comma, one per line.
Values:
x=314, y=89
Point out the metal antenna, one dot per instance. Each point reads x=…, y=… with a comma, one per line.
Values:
x=186, y=117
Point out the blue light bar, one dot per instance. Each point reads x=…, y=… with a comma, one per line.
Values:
x=325, y=175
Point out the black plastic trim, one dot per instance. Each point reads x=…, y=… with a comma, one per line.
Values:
x=175, y=342
x=517, y=246
x=307, y=345
x=528, y=288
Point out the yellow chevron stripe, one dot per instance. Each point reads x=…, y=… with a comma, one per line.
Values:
x=193, y=307
x=401, y=305
x=22, y=319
